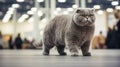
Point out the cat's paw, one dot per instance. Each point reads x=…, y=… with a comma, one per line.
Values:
x=87, y=54
x=63, y=54
x=74, y=54
x=45, y=53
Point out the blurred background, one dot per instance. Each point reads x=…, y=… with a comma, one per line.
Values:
x=22, y=21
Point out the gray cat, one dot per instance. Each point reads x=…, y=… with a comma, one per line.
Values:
x=74, y=31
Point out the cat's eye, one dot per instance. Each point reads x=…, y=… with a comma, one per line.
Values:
x=83, y=15
x=90, y=15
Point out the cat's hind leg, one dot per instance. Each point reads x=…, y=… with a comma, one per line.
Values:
x=47, y=48
x=85, y=49
x=60, y=49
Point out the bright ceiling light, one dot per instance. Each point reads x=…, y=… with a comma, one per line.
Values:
x=114, y=3
x=33, y=9
x=74, y=6
x=30, y=19
x=100, y=12
x=117, y=7
x=62, y=1
x=70, y=9
x=40, y=13
x=65, y=12
x=58, y=9
x=96, y=7
x=15, y=5
x=9, y=12
x=23, y=18
x=6, y=18
x=20, y=0
x=11, y=9
x=30, y=12
x=20, y=20
x=40, y=0
x=109, y=10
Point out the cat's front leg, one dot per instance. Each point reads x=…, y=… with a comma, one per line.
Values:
x=73, y=49
x=85, y=49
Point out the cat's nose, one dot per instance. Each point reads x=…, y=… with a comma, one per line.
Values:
x=87, y=17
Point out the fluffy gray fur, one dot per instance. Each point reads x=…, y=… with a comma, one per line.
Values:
x=74, y=31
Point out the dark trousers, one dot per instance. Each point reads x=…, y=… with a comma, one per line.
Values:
x=19, y=46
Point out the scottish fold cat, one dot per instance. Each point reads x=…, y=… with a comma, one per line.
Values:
x=74, y=31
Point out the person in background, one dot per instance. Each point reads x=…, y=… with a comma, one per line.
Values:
x=101, y=40
x=113, y=42
x=32, y=42
x=26, y=40
x=1, y=41
x=117, y=16
x=109, y=38
x=18, y=42
x=95, y=42
x=10, y=42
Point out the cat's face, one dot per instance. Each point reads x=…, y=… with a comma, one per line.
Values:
x=84, y=17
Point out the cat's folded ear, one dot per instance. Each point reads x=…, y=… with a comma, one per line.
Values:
x=93, y=9
x=78, y=11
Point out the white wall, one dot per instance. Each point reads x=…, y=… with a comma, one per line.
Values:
x=6, y=28
x=26, y=28
x=100, y=23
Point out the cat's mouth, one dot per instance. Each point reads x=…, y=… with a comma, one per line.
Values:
x=87, y=21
